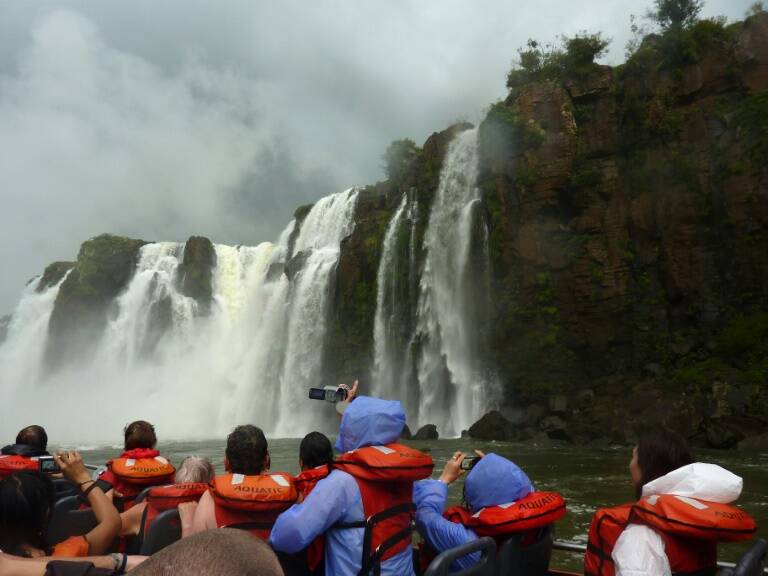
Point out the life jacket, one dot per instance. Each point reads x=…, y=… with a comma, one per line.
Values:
x=305, y=482
x=162, y=498
x=690, y=529
x=385, y=477
x=10, y=463
x=253, y=502
x=134, y=471
x=529, y=514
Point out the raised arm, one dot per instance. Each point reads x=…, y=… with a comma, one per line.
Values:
x=108, y=527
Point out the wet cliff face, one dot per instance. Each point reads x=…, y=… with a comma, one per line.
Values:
x=628, y=218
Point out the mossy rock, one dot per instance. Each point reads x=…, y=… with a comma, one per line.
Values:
x=53, y=274
x=104, y=267
x=195, y=274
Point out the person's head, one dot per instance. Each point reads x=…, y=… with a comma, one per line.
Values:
x=195, y=469
x=34, y=436
x=247, y=452
x=315, y=450
x=139, y=434
x=224, y=552
x=370, y=422
x=26, y=502
x=494, y=480
x=658, y=451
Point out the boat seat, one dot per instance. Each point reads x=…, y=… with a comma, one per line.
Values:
x=441, y=565
x=752, y=563
x=164, y=531
x=64, y=488
x=531, y=560
x=69, y=520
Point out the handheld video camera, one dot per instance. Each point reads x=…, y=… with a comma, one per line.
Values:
x=328, y=393
x=48, y=465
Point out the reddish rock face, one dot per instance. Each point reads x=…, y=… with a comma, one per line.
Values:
x=752, y=52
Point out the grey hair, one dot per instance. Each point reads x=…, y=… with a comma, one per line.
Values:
x=195, y=469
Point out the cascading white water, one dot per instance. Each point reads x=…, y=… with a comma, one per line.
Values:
x=250, y=358
x=319, y=241
x=388, y=361
x=453, y=386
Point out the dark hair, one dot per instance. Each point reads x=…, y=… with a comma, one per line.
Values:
x=659, y=451
x=246, y=450
x=139, y=434
x=315, y=450
x=26, y=502
x=33, y=436
x=223, y=552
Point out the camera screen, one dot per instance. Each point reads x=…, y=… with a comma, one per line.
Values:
x=48, y=465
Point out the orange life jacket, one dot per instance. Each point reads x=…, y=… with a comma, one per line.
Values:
x=385, y=477
x=690, y=529
x=162, y=498
x=305, y=483
x=252, y=502
x=72, y=547
x=534, y=511
x=10, y=463
x=129, y=476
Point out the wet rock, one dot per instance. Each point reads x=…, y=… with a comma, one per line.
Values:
x=426, y=432
x=555, y=428
x=757, y=443
x=53, y=274
x=752, y=52
x=195, y=274
x=720, y=435
x=533, y=414
x=406, y=433
x=275, y=270
x=493, y=426
x=296, y=264
x=105, y=265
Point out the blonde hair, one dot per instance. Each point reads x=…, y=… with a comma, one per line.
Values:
x=195, y=469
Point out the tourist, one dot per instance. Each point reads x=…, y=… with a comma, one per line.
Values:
x=190, y=483
x=372, y=474
x=248, y=495
x=31, y=442
x=140, y=465
x=26, y=504
x=498, y=499
x=682, y=512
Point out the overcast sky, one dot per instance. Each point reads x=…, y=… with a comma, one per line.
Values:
x=162, y=119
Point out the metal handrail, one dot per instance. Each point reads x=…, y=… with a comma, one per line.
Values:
x=582, y=548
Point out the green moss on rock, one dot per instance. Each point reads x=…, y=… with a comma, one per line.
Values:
x=53, y=274
x=195, y=274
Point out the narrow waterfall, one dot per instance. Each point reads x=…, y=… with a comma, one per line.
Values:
x=388, y=361
x=250, y=358
x=318, y=245
x=454, y=385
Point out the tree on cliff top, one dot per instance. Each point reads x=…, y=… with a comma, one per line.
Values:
x=398, y=158
x=571, y=58
x=669, y=14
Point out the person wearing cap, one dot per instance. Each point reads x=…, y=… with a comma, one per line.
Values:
x=493, y=482
x=372, y=473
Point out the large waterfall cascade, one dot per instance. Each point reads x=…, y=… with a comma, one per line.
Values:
x=439, y=370
x=195, y=375
x=254, y=353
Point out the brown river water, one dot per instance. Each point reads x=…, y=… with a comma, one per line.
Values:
x=589, y=478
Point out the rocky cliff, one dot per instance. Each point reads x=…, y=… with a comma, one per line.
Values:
x=626, y=211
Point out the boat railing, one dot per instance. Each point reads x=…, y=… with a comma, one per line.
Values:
x=565, y=546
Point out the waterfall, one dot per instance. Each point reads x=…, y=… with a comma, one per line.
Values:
x=329, y=221
x=454, y=386
x=195, y=374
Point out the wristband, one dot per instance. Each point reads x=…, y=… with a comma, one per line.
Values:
x=116, y=559
x=123, y=564
x=86, y=481
x=88, y=490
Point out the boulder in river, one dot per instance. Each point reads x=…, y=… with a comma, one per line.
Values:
x=426, y=432
x=493, y=426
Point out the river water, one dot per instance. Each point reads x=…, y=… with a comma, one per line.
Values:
x=589, y=478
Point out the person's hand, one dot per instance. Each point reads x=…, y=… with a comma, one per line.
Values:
x=351, y=392
x=480, y=453
x=72, y=467
x=452, y=469
x=134, y=561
